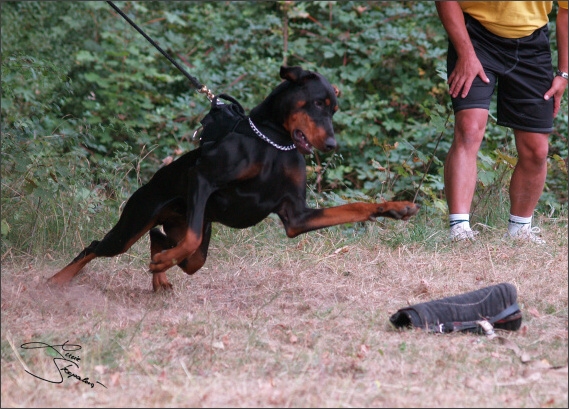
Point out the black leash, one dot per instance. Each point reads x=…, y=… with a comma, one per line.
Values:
x=202, y=89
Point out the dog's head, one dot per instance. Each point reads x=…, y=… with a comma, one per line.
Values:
x=308, y=106
x=301, y=107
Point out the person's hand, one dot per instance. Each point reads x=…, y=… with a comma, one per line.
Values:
x=556, y=91
x=461, y=78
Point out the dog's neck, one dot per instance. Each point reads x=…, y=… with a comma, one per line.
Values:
x=270, y=128
x=271, y=125
x=271, y=140
x=276, y=133
x=269, y=115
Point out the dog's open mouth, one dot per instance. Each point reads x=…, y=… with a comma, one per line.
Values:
x=301, y=142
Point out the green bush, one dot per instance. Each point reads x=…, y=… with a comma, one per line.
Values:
x=90, y=109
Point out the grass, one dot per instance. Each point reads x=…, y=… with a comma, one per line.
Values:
x=277, y=322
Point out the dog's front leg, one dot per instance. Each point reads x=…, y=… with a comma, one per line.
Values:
x=300, y=219
x=168, y=258
x=199, y=191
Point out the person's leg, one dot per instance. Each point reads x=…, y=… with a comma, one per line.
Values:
x=528, y=180
x=521, y=106
x=460, y=171
x=529, y=174
x=471, y=116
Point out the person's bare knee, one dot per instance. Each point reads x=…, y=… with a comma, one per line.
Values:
x=470, y=126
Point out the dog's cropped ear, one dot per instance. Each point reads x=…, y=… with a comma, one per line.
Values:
x=291, y=73
x=295, y=74
x=336, y=91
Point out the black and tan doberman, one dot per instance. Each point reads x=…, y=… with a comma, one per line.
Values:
x=254, y=169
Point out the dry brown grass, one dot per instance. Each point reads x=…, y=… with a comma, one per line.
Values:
x=274, y=322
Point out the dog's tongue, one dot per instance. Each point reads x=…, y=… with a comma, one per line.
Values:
x=301, y=142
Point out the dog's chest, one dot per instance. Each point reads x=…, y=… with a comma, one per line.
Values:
x=244, y=203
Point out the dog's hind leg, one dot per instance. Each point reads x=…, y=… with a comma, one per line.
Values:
x=68, y=272
x=138, y=216
x=112, y=244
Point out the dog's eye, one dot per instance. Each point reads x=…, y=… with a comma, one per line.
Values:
x=319, y=103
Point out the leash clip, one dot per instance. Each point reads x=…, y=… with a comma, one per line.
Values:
x=205, y=90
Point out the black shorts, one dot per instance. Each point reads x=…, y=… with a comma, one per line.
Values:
x=523, y=70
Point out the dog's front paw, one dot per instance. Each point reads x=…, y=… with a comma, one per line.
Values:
x=169, y=258
x=163, y=261
x=397, y=210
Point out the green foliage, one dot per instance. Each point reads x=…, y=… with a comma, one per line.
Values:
x=90, y=109
x=51, y=192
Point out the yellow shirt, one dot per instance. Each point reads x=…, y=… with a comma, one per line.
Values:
x=510, y=19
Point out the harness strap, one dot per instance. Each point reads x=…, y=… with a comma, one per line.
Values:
x=462, y=325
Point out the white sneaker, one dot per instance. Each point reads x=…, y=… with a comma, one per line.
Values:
x=459, y=233
x=526, y=234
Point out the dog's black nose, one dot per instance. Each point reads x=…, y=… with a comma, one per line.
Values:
x=330, y=143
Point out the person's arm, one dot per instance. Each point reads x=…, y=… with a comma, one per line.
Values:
x=468, y=65
x=559, y=84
